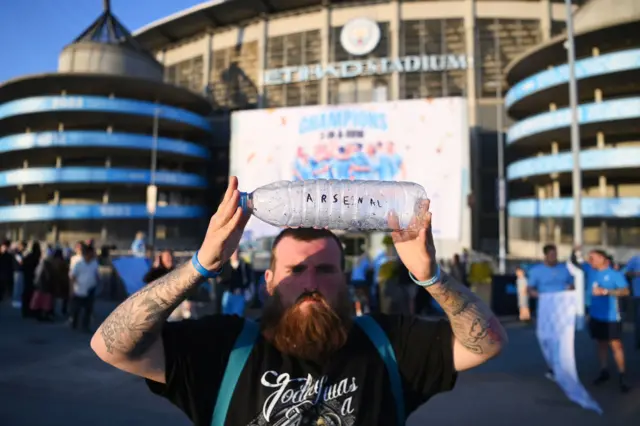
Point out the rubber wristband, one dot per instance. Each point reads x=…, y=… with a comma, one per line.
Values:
x=428, y=283
x=201, y=269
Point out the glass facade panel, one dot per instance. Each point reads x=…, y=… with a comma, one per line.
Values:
x=188, y=74
x=508, y=37
x=293, y=50
x=432, y=37
x=234, y=75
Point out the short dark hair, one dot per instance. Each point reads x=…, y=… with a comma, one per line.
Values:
x=548, y=247
x=306, y=234
x=604, y=254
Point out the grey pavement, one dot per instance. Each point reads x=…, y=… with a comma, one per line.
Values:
x=50, y=377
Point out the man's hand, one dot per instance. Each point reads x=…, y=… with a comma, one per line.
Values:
x=415, y=245
x=596, y=290
x=224, y=231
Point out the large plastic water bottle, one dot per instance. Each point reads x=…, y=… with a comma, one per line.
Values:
x=337, y=204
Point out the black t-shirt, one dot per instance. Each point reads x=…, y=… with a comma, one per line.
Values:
x=355, y=384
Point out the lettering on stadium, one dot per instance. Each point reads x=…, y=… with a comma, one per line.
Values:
x=366, y=67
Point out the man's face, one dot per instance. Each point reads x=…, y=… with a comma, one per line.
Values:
x=167, y=259
x=596, y=260
x=305, y=267
x=551, y=256
x=308, y=309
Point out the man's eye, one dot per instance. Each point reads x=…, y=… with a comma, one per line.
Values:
x=298, y=269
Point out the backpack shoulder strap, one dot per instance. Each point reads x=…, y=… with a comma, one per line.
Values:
x=237, y=360
x=380, y=340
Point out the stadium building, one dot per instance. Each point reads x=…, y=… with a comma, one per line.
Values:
x=607, y=70
x=248, y=54
x=79, y=148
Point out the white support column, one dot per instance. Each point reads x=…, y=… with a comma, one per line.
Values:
x=395, y=33
x=325, y=40
x=263, y=38
x=207, y=59
x=545, y=19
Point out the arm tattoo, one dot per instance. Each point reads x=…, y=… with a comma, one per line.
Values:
x=472, y=322
x=136, y=323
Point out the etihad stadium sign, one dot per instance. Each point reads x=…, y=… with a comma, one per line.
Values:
x=360, y=36
x=367, y=67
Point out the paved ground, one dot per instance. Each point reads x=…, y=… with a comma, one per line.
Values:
x=49, y=377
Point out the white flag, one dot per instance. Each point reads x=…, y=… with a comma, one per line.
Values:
x=556, y=327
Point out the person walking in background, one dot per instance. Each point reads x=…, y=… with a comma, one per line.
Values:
x=360, y=287
x=84, y=281
x=6, y=269
x=42, y=298
x=138, y=246
x=235, y=279
x=29, y=266
x=548, y=277
x=61, y=285
x=77, y=256
x=395, y=297
x=605, y=324
x=523, y=295
x=632, y=271
x=162, y=265
x=458, y=270
x=18, y=276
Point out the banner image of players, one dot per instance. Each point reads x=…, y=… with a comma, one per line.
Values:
x=415, y=140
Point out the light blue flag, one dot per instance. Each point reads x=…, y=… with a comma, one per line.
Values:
x=556, y=328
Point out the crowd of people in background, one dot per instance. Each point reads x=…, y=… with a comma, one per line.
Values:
x=606, y=283
x=51, y=282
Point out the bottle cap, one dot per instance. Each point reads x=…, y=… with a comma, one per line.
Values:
x=244, y=198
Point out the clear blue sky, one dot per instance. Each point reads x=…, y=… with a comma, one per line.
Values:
x=33, y=32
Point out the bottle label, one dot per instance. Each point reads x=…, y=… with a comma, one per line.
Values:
x=347, y=200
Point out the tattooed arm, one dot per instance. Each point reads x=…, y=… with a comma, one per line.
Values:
x=130, y=338
x=479, y=335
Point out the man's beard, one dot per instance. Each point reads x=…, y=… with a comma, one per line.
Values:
x=313, y=332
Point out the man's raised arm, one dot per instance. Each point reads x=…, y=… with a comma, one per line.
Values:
x=479, y=335
x=130, y=338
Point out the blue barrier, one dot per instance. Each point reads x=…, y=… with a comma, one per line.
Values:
x=91, y=175
x=594, y=159
x=615, y=110
x=93, y=139
x=563, y=207
x=585, y=68
x=38, y=104
x=131, y=271
x=48, y=212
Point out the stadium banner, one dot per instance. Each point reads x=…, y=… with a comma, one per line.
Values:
x=556, y=327
x=422, y=141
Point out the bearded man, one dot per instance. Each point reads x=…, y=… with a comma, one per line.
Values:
x=310, y=363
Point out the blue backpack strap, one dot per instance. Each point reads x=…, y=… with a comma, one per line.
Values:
x=380, y=340
x=237, y=359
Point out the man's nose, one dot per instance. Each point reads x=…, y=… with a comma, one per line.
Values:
x=311, y=283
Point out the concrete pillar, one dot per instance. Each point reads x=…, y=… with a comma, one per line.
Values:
x=207, y=60
x=394, y=28
x=263, y=37
x=545, y=19
x=601, y=140
x=58, y=162
x=56, y=197
x=105, y=197
x=103, y=233
x=23, y=198
x=470, y=43
x=325, y=40
x=597, y=95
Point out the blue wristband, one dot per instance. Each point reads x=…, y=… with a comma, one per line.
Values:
x=428, y=283
x=201, y=269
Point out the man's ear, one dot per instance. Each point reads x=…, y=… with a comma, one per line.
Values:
x=268, y=278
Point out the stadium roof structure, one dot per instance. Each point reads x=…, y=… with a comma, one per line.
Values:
x=215, y=14
x=591, y=23
x=107, y=29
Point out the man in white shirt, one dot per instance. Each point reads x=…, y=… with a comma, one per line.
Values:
x=84, y=280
